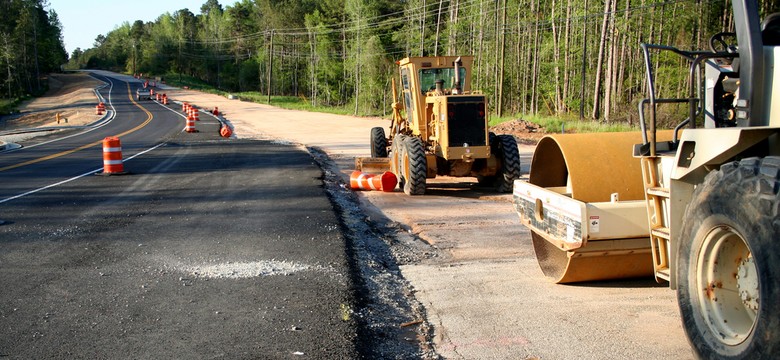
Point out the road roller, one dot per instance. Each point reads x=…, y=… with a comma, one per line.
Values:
x=696, y=207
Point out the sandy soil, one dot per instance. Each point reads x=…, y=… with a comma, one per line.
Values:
x=71, y=95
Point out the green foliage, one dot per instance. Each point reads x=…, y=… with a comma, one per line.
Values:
x=30, y=47
x=532, y=56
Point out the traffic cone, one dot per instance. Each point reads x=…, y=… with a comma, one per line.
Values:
x=112, y=157
x=385, y=182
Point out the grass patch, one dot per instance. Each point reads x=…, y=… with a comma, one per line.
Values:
x=8, y=106
x=567, y=123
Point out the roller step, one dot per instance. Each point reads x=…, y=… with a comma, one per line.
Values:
x=659, y=191
x=661, y=232
x=663, y=274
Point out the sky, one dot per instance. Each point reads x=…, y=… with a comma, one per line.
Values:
x=83, y=20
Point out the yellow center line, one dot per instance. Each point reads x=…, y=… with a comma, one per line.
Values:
x=68, y=152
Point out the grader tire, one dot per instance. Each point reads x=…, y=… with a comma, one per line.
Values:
x=414, y=166
x=505, y=148
x=729, y=262
x=378, y=143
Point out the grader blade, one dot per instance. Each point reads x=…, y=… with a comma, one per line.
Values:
x=372, y=165
x=585, y=206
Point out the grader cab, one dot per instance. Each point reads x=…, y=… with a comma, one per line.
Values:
x=697, y=207
x=441, y=128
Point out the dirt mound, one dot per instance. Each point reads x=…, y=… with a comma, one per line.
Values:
x=524, y=131
x=70, y=95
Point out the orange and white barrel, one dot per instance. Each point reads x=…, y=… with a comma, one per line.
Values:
x=184, y=107
x=190, y=125
x=98, y=110
x=165, y=99
x=112, y=156
x=384, y=182
x=195, y=114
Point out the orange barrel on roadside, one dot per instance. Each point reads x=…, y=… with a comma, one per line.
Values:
x=195, y=114
x=165, y=99
x=190, y=125
x=225, y=131
x=216, y=111
x=112, y=156
x=98, y=110
x=361, y=181
x=184, y=107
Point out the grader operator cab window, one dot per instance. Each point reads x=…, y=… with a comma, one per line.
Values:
x=428, y=78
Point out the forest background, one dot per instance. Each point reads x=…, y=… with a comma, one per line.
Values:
x=563, y=58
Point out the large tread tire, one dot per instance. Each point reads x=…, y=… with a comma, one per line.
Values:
x=732, y=227
x=505, y=148
x=378, y=143
x=415, y=166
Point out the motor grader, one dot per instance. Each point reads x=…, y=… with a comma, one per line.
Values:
x=444, y=130
x=697, y=207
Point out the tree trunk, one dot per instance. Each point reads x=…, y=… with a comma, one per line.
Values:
x=500, y=64
x=556, y=58
x=438, y=26
x=597, y=90
x=566, y=58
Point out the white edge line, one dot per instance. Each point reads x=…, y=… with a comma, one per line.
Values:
x=74, y=178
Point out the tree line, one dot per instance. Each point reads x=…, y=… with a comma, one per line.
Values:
x=31, y=46
x=552, y=57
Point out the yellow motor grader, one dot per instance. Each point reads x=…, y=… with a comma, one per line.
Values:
x=697, y=207
x=444, y=130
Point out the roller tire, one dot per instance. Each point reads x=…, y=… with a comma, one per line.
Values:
x=414, y=166
x=734, y=211
x=378, y=143
x=505, y=149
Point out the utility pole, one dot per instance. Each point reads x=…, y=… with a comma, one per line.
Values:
x=270, y=64
x=134, y=72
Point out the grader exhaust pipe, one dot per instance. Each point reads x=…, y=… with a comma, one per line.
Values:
x=585, y=205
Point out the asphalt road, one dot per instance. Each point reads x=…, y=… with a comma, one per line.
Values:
x=211, y=248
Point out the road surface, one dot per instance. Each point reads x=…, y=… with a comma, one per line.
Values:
x=211, y=247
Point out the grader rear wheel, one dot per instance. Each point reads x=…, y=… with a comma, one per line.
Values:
x=727, y=267
x=378, y=143
x=414, y=166
x=505, y=149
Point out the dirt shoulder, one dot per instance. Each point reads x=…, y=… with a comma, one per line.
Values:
x=70, y=95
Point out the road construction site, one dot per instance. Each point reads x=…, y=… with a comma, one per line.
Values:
x=467, y=260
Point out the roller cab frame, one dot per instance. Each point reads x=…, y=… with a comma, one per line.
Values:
x=709, y=194
x=440, y=127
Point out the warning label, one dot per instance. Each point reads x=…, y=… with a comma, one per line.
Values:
x=593, y=224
